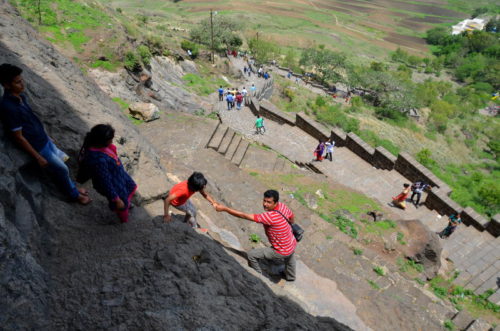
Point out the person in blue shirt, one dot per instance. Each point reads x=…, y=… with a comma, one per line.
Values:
x=230, y=101
x=221, y=93
x=27, y=131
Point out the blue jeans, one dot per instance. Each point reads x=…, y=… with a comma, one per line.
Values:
x=59, y=170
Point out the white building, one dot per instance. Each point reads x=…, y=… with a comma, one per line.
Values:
x=468, y=25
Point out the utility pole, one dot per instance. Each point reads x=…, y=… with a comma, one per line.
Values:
x=212, y=34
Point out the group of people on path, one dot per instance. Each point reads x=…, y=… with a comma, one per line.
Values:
x=324, y=150
x=98, y=161
x=234, y=97
x=417, y=189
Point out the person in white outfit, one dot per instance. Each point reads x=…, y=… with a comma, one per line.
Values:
x=329, y=149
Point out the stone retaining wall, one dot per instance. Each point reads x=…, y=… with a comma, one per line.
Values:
x=440, y=202
x=471, y=217
x=414, y=171
x=270, y=111
x=360, y=147
x=494, y=226
x=383, y=159
x=312, y=127
x=339, y=136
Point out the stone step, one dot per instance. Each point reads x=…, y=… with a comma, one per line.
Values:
x=484, y=251
x=233, y=146
x=279, y=165
x=482, y=277
x=240, y=152
x=495, y=298
x=224, y=145
x=217, y=137
x=491, y=283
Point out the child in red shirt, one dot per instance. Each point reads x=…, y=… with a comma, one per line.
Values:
x=179, y=198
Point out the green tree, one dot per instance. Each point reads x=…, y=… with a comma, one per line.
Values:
x=263, y=50
x=291, y=60
x=438, y=36
x=328, y=65
x=399, y=55
x=225, y=32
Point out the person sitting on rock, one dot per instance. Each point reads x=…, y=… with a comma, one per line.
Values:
x=99, y=161
x=277, y=220
x=179, y=198
x=453, y=222
x=400, y=199
x=27, y=131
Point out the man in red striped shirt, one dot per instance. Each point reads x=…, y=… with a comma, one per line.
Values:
x=277, y=222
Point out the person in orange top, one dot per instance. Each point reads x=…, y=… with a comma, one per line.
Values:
x=179, y=198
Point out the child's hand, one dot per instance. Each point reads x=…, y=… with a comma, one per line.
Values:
x=167, y=218
x=220, y=207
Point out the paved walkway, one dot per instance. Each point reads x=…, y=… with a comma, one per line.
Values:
x=476, y=254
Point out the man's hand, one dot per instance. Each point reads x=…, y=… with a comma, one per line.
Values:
x=167, y=218
x=119, y=204
x=220, y=207
x=42, y=162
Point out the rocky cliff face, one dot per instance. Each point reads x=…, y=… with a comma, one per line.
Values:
x=65, y=266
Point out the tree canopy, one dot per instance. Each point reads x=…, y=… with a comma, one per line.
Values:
x=225, y=33
x=328, y=65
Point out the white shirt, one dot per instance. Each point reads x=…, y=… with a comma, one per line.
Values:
x=244, y=92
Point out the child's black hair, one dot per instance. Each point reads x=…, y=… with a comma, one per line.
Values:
x=197, y=182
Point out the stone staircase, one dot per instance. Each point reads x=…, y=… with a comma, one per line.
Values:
x=228, y=143
x=475, y=254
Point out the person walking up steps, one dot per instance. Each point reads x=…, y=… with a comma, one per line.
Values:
x=239, y=100
x=230, y=100
x=244, y=93
x=99, y=161
x=179, y=198
x=259, y=125
x=418, y=188
x=453, y=222
x=253, y=90
x=329, y=149
x=221, y=93
x=26, y=130
x=277, y=220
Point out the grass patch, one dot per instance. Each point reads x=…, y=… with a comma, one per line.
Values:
x=380, y=227
x=409, y=266
x=374, y=285
x=379, y=271
x=357, y=251
x=346, y=226
x=449, y=325
x=254, y=174
x=203, y=85
x=253, y=237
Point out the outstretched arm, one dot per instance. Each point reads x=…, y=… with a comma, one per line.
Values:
x=234, y=212
x=208, y=197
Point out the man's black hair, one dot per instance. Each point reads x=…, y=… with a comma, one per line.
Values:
x=196, y=182
x=272, y=194
x=8, y=72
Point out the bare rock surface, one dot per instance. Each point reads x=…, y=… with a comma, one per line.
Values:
x=66, y=266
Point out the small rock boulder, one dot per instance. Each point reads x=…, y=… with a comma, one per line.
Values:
x=423, y=246
x=144, y=111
